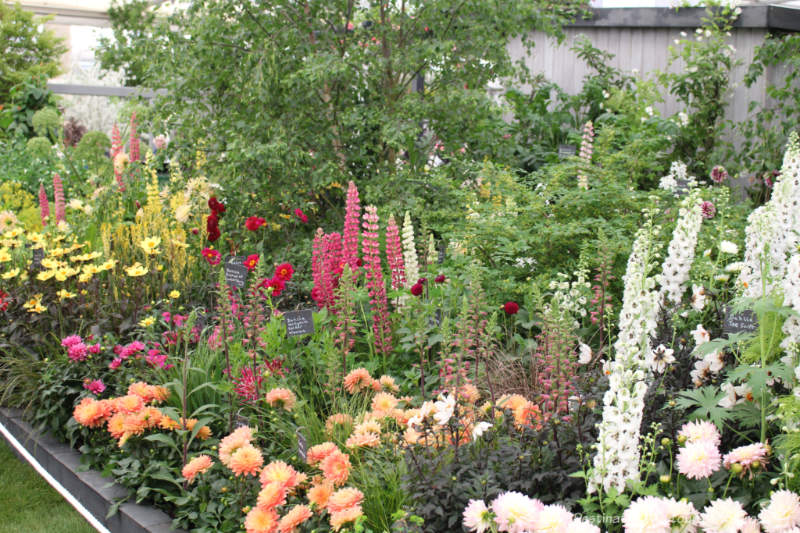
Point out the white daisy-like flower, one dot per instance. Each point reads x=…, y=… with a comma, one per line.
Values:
x=723, y=516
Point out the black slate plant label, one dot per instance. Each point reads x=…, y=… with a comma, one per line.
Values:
x=743, y=322
x=299, y=322
x=38, y=256
x=235, y=271
x=682, y=187
x=302, y=445
x=566, y=150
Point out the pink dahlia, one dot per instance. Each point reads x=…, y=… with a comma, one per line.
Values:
x=515, y=512
x=698, y=460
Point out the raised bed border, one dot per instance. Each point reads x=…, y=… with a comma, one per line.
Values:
x=95, y=492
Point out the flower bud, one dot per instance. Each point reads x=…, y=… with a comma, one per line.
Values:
x=665, y=442
x=665, y=479
x=736, y=468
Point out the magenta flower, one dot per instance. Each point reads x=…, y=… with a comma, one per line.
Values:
x=115, y=364
x=72, y=340
x=351, y=227
x=375, y=283
x=719, y=174
x=394, y=255
x=95, y=386
x=61, y=215
x=77, y=352
x=44, y=205
x=708, y=209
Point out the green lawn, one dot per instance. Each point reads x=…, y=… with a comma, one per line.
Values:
x=29, y=504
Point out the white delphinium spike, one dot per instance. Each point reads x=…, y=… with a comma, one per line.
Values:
x=773, y=230
x=680, y=254
x=617, y=458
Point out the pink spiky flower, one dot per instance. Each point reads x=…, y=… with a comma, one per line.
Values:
x=351, y=228
x=134, y=142
x=61, y=215
x=394, y=255
x=326, y=262
x=377, y=288
x=116, y=148
x=44, y=205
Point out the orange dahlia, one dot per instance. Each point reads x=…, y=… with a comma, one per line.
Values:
x=337, y=419
x=387, y=382
x=363, y=440
x=261, y=521
x=344, y=499
x=271, y=496
x=336, y=467
x=246, y=461
x=130, y=403
x=279, y=472
x=281, y=397
x=227, y=446
x=383, y=403
x=92, y=413
x=345, y=517
x=319, y=494
x=319, y=452
x=199, y=465
x=295, y=517
x=357, y=380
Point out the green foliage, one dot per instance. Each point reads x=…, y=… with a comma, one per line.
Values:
x=24, y=99
x=26, y=52
x=47, y=123
x=702, y=85
x=40, y=147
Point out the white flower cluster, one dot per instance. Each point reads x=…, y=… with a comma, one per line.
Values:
x=569, y=298
x=677, y=176
x=791, y=298
x=617, y=458
x=410, y=252
x=680, y=254
x=773, y=230
x=710, y=364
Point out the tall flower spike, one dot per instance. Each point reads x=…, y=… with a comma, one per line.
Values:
x=332, y=268
x=44, y=205
x=116, y=149
x=134, y=142
x=680, y=254
x=586, y=155
x=317, y=265
x=377, y=288
x=352, y=222
x=59, y=199
x=394, y=255
x=410, y=251
x=617, y=458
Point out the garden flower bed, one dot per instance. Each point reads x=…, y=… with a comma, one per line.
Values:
x=347, y=318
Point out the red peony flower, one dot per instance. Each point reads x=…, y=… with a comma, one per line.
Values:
x=302, y=216
x=422, y=281
x=253, y=223
x=284, y=271
x=251, y=262
x=440, y=278
x=416, y=289
x=212, y=256
x=511, y=308
x=216, y=206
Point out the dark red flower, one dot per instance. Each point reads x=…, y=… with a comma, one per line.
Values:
x=212, y=227
x=195, y=231
x=302, y=216
x=216, y=206
x=511, y=308
x=416, y=289
x=284, y=271
x=251, y=262
x=422, y=281
x=440, y=278
x=253, y=223
x=5, y=299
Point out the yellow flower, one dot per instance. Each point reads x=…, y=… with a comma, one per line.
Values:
x=52, y=264
x=136, y=270
x=179, y=244
x=35, y=238
x=182, y=212
x=108, y=265
x=63, y=273
x=36, y=300
x=159, y=267
x=64, y=294
x=11, y=274
x=150, y=245
x=63, y=226
x=85, y=277
x=175, y=295
x=147, y=322
x=45, y=275
x=5, y=256
x=38, y=308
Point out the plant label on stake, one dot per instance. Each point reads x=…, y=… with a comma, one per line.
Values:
x=235, y=271
x=743, y=322
x=302, y=444
x=299, y=322
x=38, y=256
x=565, y=151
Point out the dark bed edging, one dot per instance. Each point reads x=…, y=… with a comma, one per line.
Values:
x=90, y=488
